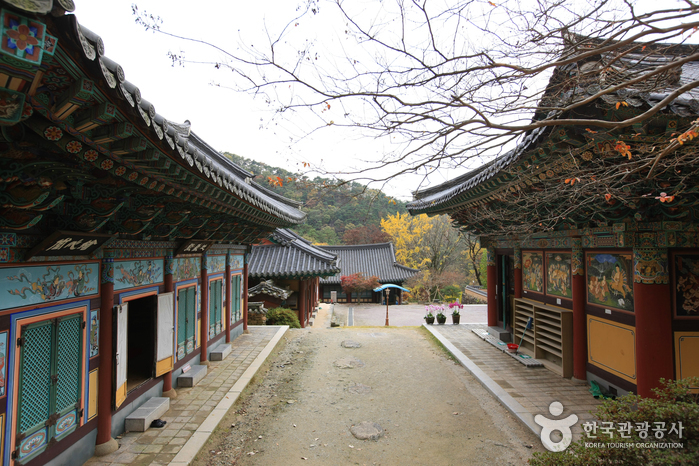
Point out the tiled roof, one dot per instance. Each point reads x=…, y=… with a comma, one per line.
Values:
x=292, y=257
x=267, y=287
x=200, y=174
x=369, y=260
x=180, y=138
x=622, y=65
x=444, y=197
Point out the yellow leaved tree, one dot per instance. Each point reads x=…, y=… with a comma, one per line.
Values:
x=408, y=233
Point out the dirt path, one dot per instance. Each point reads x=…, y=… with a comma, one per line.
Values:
x=301, y=410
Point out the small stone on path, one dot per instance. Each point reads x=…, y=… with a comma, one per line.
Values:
x=348, y=363
x=351, y=344
x=359, y=389
x=367, y=430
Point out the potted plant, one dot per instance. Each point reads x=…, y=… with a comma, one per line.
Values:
x=455, y=312
x=429, y=317
x=441, y=318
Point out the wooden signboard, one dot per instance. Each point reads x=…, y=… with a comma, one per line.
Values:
x=69, y=243
x=194, y=246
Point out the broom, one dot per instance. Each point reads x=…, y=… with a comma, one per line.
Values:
x=529, y=326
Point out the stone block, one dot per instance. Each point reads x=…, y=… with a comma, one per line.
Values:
x=221, y=352
x=192, y=376
x=140, y=419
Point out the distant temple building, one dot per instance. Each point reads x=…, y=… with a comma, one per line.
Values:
x=370, y=260
x=285, y=271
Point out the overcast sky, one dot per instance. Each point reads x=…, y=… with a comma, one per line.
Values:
x=229, y=121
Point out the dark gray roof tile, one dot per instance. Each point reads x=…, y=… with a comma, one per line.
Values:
x=370, y=260
x=292, y=257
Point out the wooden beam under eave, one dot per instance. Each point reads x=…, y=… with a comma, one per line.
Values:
x=113, y=132
x=97, y=115
x=73, y=98
x=16, y=84
x=35, y=83
x=3, y=80
x=128, y=146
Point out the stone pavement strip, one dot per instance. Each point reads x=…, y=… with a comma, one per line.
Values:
x=524, y=391
x=197, y=411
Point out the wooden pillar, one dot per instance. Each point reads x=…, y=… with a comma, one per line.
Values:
x=653, y=310
x=245, y=294
x=316, y=291
x=579, y=290
x=518, y=271
x=105, y=444
x=204, y=334
x=229, y=302
x=492, y=284
x=168, y=391
x=302, y=303
x=349, y=298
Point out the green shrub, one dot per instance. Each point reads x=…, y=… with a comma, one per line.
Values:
x=675, y=403
x=283, y=316
x=451, y=293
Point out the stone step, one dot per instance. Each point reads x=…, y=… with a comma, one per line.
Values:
x=192, y=376
x=500, y=334
x=221, y=352
x=140, y=419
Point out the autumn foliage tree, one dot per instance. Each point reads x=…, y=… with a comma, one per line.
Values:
x=358, y=283
x=369, y=234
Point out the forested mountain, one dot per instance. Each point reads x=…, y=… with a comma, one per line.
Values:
x=337, y=213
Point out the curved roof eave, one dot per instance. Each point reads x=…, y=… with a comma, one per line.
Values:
x=214, y=167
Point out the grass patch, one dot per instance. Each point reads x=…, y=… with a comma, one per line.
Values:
x=430, y=337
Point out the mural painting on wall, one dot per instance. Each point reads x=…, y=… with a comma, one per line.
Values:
x=237, y=262
x=608, y=280
x=3, y=363
x=687, y=285
x=22, y=286
x=558, y=266
x=533, y=271
x=217, y=264
x=137, y=273
x=94, y=333
x=186, y=268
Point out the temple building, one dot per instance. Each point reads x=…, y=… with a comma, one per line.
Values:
x=124, y=241
x=377, y=260
x=591, y=230
x=285, y=271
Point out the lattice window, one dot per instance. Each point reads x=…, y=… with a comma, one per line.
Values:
x=215, y=308
x=186, y=320
x=236, y=293
x=50, y=377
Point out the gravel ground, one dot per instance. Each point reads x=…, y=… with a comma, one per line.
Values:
x=300, y=407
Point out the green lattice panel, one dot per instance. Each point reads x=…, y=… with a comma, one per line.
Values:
x=217, y=294
x=191, y=318
x=35, y=376
x=68, y=363
x=181, y=316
